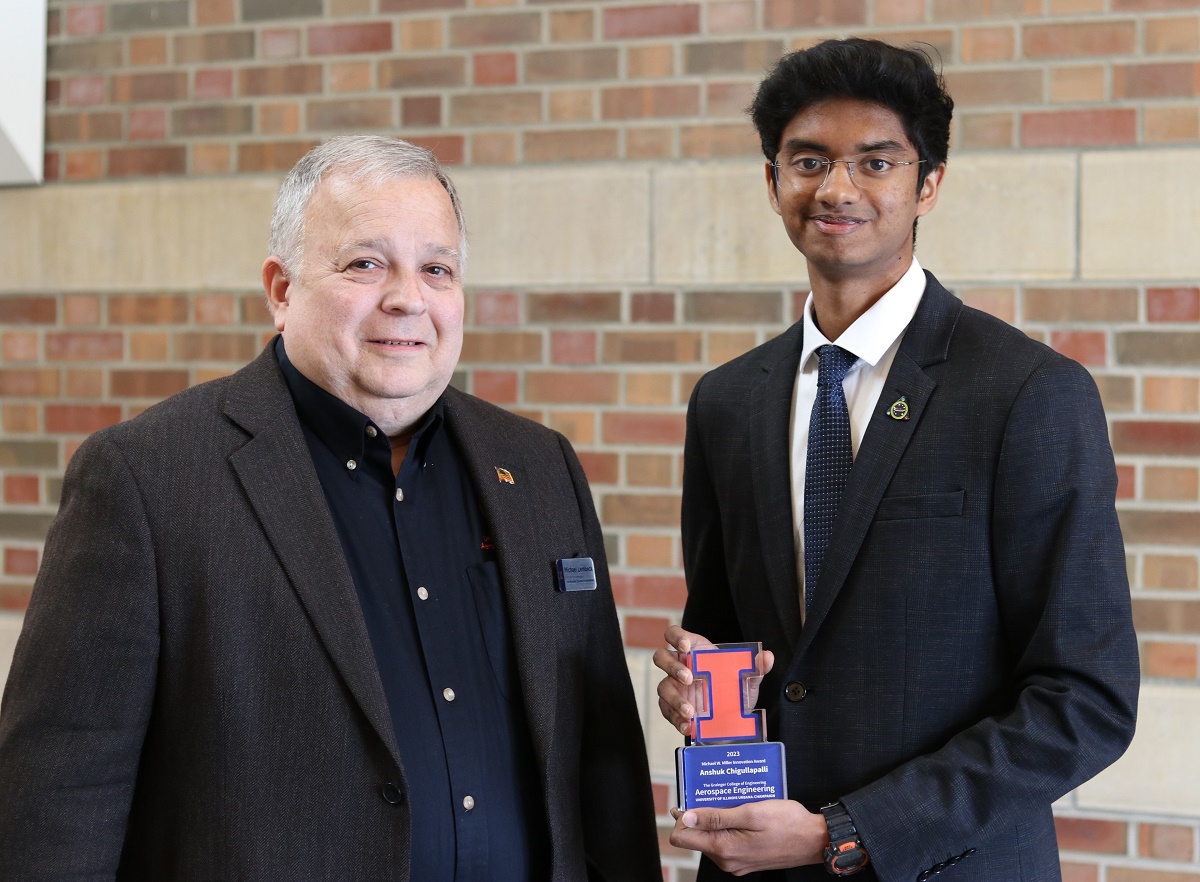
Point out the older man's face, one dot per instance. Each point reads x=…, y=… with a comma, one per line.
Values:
x=374, y=312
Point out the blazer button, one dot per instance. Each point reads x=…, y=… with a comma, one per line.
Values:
x=795, y=691
x=391, y=793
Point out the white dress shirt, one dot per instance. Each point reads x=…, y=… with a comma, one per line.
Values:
x=874, y=337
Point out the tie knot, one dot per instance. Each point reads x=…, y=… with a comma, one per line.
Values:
x=834, y=362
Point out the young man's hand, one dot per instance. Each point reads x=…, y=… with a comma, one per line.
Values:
x=767, y=835
x=677, y=696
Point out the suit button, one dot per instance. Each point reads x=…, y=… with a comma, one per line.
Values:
x=391, y=793
x=795, y=691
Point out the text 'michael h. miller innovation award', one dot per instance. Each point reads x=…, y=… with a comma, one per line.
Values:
x=729, y=760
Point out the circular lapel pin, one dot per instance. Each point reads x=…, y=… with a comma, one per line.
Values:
x=899, y=409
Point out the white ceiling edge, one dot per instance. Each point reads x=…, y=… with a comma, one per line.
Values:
x=22, y=91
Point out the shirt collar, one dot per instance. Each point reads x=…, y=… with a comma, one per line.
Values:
x=873, y=332
x=342, y=428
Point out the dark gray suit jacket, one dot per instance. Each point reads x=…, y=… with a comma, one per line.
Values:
x=969, y=656
x=194, y=695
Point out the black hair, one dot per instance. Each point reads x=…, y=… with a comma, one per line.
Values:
x=903, y=80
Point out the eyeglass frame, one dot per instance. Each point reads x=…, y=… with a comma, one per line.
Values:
x=830, y=163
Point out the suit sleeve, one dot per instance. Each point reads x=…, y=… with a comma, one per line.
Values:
x=619, y=829
x=1060, y=581
x=82, y=683
x=709, y=610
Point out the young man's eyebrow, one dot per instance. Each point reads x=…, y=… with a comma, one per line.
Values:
x=799, y=145
x=876, y=146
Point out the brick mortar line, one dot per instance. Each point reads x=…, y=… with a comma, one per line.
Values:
x=1127, y=862
x=1163, y=550
x=544, y=12
x=1019, y=61
x=1098, y=814
x=623, y=81
x=1140, y=594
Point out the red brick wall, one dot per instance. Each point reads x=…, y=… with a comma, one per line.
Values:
x=215, y=86
x=227, y=87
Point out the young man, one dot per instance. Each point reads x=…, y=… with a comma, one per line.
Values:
x=911, y=505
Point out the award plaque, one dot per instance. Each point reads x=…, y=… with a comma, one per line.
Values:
x=729, y=760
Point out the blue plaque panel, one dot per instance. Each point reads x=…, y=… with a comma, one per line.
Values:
x=725, y=775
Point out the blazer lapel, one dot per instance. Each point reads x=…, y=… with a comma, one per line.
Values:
x=277, y=474
x=771, y=422
x=518, y=529
x=926, y=342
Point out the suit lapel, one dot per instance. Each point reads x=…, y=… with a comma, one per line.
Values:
x=277, y=474
x=771, y=422
x=515, y=520
x=926, y=342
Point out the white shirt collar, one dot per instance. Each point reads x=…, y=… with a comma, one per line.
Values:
x=873, y=332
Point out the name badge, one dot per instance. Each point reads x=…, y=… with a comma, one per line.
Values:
x=576, y=574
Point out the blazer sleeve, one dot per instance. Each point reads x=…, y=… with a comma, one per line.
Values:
x=709, y=610
x=82, y=683
x=619, y=829
x=1061, y=587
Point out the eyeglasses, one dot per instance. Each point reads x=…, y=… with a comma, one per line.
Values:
x=806, y=171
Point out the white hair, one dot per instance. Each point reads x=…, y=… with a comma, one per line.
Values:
x=373, y=159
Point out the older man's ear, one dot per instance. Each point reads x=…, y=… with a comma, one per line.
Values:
x=276, y=284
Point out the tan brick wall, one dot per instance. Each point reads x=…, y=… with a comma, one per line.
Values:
x=622, y=245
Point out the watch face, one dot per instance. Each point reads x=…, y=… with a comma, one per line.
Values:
x=850, y=860
x=845, y=858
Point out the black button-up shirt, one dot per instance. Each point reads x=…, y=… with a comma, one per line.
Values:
x=425, y=571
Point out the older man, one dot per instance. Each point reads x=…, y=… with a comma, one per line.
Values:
x=318, y=620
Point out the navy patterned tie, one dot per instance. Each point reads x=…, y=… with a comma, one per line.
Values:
x=829, y=459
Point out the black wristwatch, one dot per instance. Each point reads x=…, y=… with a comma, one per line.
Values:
x=845, y=853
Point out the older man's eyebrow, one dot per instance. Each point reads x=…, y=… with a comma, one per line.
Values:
x=383, y=246
x=376, y=244
x=449, y=253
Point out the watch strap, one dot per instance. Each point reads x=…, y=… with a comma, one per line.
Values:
x=845, y=853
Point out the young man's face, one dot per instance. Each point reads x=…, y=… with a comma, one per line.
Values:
x=851, y=227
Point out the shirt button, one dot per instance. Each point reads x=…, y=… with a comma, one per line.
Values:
x=448, y=694
x=371, y=432
x=351, y=464
x=795, y=691
x=468, y=802
x=422, y=593
x=399, y=495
